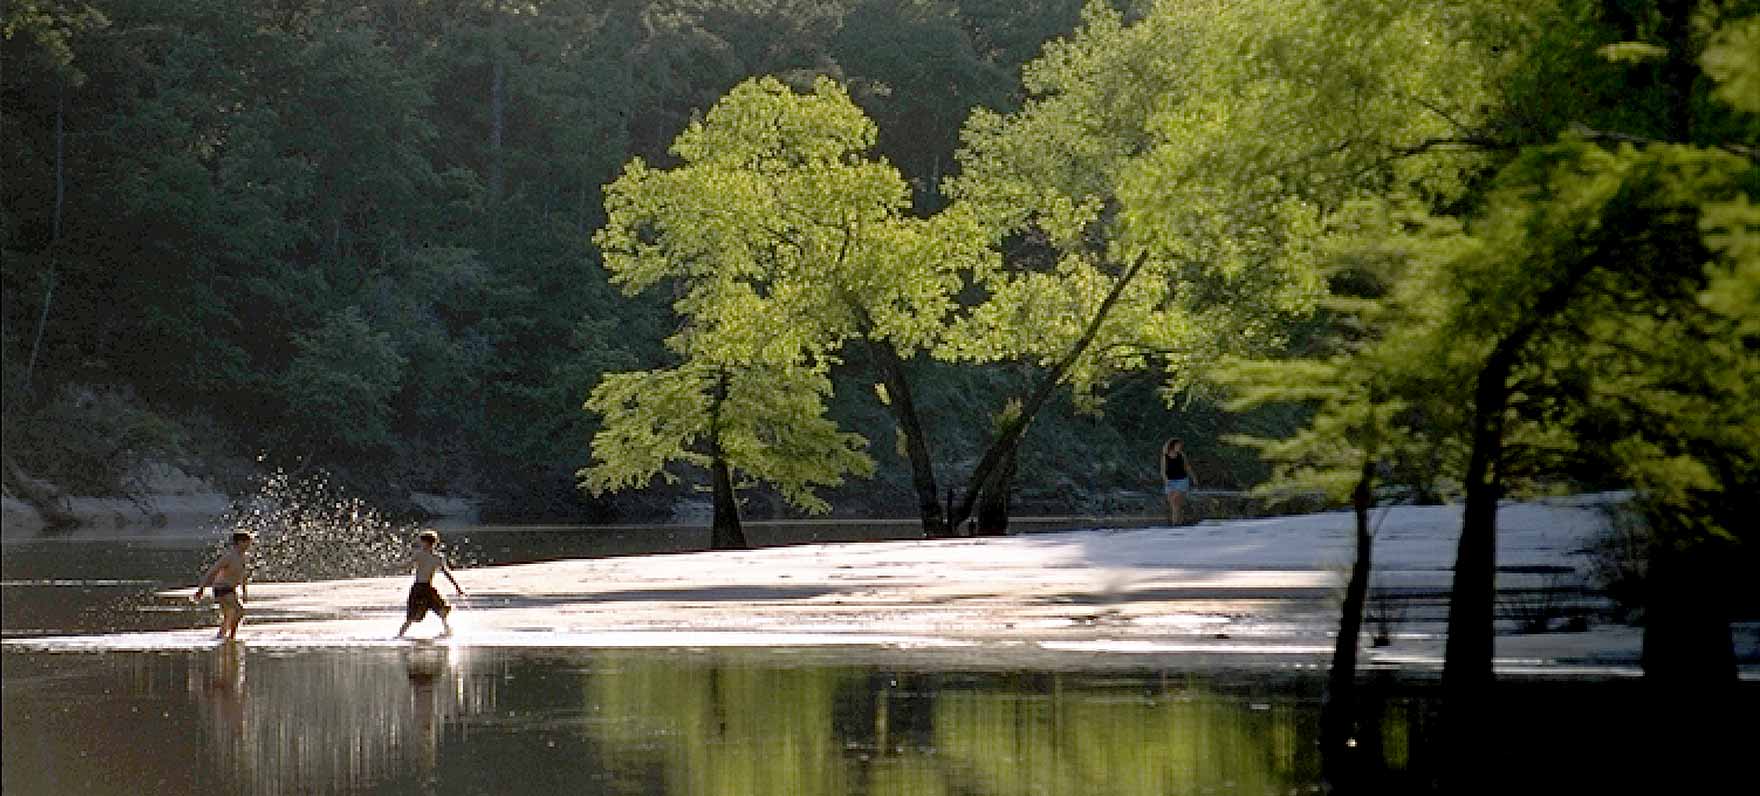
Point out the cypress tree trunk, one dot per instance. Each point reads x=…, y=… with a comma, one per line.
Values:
x=916, y=444
x=1467, y=674
x=725, y=532
x=1338, y=703
x=1688, y=648
x=1466, y=668
x=993, y=502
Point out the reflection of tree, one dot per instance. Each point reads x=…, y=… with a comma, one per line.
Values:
x=1094, y=739
x=723, y=729
x=753, y=728
x=323, y=723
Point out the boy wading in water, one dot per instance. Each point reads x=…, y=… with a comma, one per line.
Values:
x=422, y=596
x=228, y=577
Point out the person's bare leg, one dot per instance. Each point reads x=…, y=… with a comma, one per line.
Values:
x=1177, y=501
x=237, y=619
x=225, y=621
x=402, y=630
x=1172, y=508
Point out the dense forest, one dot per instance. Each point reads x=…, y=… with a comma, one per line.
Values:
x=356, y=236
x=893, y=257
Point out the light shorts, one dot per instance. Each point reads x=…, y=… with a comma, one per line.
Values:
x=1180, y=485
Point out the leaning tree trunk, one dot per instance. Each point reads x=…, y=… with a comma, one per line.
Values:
x=993, y=501
x=916, y=444
x=1338, y=703
x=725, y=532
x=1009, y=436
x=1466, y=667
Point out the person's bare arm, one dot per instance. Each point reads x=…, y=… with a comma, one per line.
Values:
x=1164, y=447
x=447, y=571
x=207, y=578
x=244, y=576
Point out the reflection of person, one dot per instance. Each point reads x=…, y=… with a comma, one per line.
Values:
x=1177, y=478
x=422, y=676
x=229, y=689
x=221, y=689
x=422, y=596
x=228, y=577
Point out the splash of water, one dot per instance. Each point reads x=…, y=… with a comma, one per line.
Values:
x=309, y=529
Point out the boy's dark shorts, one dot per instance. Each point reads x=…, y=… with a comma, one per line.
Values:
x=422, y=599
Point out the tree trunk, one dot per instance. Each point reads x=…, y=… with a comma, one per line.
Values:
x=1687, y=643
x=993, y=501
x=725, y=532
x=1338, y=703
x=904, y=412
x=1466, y=667
x=1690, y=673
x=1002, y=447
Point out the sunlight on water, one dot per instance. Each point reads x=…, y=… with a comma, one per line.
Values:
x=309, y=529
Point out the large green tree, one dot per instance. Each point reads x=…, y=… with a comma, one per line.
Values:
x=1587, y=315
x=1161, y=195
x=745, y=423
x=789, y=242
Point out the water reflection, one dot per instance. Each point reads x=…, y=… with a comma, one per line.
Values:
x=327, y=722
x=709, y=728
x=442, y=719
x=439, y=719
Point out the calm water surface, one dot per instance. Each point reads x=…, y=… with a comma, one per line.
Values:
x=453, y=719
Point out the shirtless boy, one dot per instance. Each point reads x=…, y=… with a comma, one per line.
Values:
x=422, y=596
x=228, y=577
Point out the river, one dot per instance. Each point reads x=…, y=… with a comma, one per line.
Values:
x=450, y=718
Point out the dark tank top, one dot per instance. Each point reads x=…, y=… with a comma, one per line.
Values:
x=1176, y=466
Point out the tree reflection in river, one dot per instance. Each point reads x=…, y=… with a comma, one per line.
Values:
x=430, y=719
x=444, y=719
x=709, y=728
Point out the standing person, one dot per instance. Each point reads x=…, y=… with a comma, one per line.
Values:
x=228, y=577
x=1177, y=477
x=422, y=596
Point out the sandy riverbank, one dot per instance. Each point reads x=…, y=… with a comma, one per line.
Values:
x=1264, y=589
